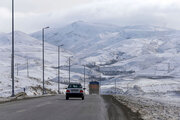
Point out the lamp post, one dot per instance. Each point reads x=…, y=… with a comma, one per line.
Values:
x=59, y=51
x=27, y=67
x=43, y=56
x=84, y=76
x=100, y=80
x=69, y=70
x=115, y=87
x=12, y=59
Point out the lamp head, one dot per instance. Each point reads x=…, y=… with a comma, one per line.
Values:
x=46, y=27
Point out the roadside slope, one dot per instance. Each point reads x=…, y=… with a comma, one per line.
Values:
x=118, y=111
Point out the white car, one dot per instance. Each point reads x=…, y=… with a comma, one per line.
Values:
x=74, y=90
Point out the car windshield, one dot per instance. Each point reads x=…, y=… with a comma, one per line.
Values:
x=74, y=86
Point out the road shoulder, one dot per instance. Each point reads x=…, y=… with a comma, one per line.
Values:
x=118, y=111
x=13, y=99
x=150, y=109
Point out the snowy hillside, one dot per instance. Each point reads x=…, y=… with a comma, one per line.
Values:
x=133, y=47
x=143, y=56
x=28, y=49
x=142, y=60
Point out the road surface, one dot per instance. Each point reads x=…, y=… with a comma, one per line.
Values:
x=94, y=107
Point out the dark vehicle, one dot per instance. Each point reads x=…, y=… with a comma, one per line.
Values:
x=93, y=87
x=74, y=90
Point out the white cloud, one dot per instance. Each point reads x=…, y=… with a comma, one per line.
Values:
x=32, y=15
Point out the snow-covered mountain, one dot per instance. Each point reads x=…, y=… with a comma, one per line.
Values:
x=145, y=56
x=133, y=47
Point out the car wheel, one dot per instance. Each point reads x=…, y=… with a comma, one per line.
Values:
x=82, y=98
x=67, y=98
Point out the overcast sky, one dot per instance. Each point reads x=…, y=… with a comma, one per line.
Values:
x=32, y=15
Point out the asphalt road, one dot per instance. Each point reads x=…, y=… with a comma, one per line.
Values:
x=57, y=108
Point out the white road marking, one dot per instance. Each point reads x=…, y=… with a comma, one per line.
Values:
x=43, y=104
x=20, y=111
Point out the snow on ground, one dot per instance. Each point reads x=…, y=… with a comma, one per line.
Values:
x=150, y=109
x=167, y=88
x=154, y=99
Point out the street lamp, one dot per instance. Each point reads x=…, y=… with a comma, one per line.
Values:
x=84, y=76
x=115, y=87
x=69, y=70
x=43, y=55
x=59, y=51
x=100, y=79
x=12, y=59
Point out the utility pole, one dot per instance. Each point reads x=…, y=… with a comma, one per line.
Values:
x=169, y=67
x=84, y=76
x=115, y=87
x=69, y=69
x=59, y=52
x=43, y=57
x=100, y=85
x=100, y=78
x=27, y=67
x=12, y=59
x=58, y=68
